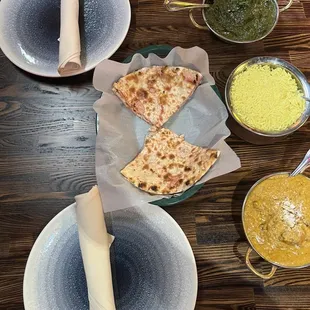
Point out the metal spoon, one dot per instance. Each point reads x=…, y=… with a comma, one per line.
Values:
x=302, y=166
x=174, y=6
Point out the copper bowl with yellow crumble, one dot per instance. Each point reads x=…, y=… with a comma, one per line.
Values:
x=265, y=95
x=276, y=221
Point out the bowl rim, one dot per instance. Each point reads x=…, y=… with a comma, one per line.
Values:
x=20, y=64
x=294, y=71
x=247, y=41
x=243, y=221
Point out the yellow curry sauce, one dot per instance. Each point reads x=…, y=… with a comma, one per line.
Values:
x=277, y=220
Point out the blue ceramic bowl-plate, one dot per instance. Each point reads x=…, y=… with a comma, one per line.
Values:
x=153, y=265
x=30, y=30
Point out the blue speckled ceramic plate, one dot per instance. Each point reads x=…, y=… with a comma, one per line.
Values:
x=153, y=264
x=30, y=30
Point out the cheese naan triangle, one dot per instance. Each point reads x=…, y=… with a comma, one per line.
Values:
x=156, y=93
x=168, y=164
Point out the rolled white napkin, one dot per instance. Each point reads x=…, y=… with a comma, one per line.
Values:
x=95, y=243
x=70, y=45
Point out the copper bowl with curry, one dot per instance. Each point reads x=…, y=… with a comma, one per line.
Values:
x=276, y=221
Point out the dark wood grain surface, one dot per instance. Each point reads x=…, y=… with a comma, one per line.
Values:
x=47, y=154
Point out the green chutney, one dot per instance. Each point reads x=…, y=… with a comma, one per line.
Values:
x=241, y=20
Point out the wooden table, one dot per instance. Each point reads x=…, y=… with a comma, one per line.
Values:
x=47, y=153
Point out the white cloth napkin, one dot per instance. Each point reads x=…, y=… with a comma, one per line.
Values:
x=70, y=45
x=95, y=243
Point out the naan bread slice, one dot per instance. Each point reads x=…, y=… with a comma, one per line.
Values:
x=156, y=93
x=168, y=164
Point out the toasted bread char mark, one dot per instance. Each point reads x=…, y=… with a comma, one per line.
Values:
x=142, y=93
x=159, y=91
x=132, y=77
x=142, y=185
x=175, y=171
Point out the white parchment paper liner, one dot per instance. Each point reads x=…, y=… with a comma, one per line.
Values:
x=121, y=134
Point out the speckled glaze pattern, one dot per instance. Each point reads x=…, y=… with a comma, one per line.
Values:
x=153, y=265
x=30, y=30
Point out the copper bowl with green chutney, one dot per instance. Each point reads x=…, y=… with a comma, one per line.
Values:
x=234, y=21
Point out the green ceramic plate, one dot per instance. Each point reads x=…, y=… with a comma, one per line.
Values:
x=163, y=51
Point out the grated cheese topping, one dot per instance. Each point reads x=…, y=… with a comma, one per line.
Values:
x=266, y=99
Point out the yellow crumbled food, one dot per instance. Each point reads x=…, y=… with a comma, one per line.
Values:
x=266, y=99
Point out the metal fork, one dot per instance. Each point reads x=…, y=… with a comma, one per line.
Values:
x=302, y=166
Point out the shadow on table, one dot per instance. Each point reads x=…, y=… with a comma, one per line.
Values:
x=70, y=81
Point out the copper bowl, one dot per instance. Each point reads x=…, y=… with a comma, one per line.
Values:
x=275, y=265
x=267, y=137
x=174, y=5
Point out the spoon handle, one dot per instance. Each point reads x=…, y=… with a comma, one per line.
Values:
x=173, y=6
x=302, y=166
